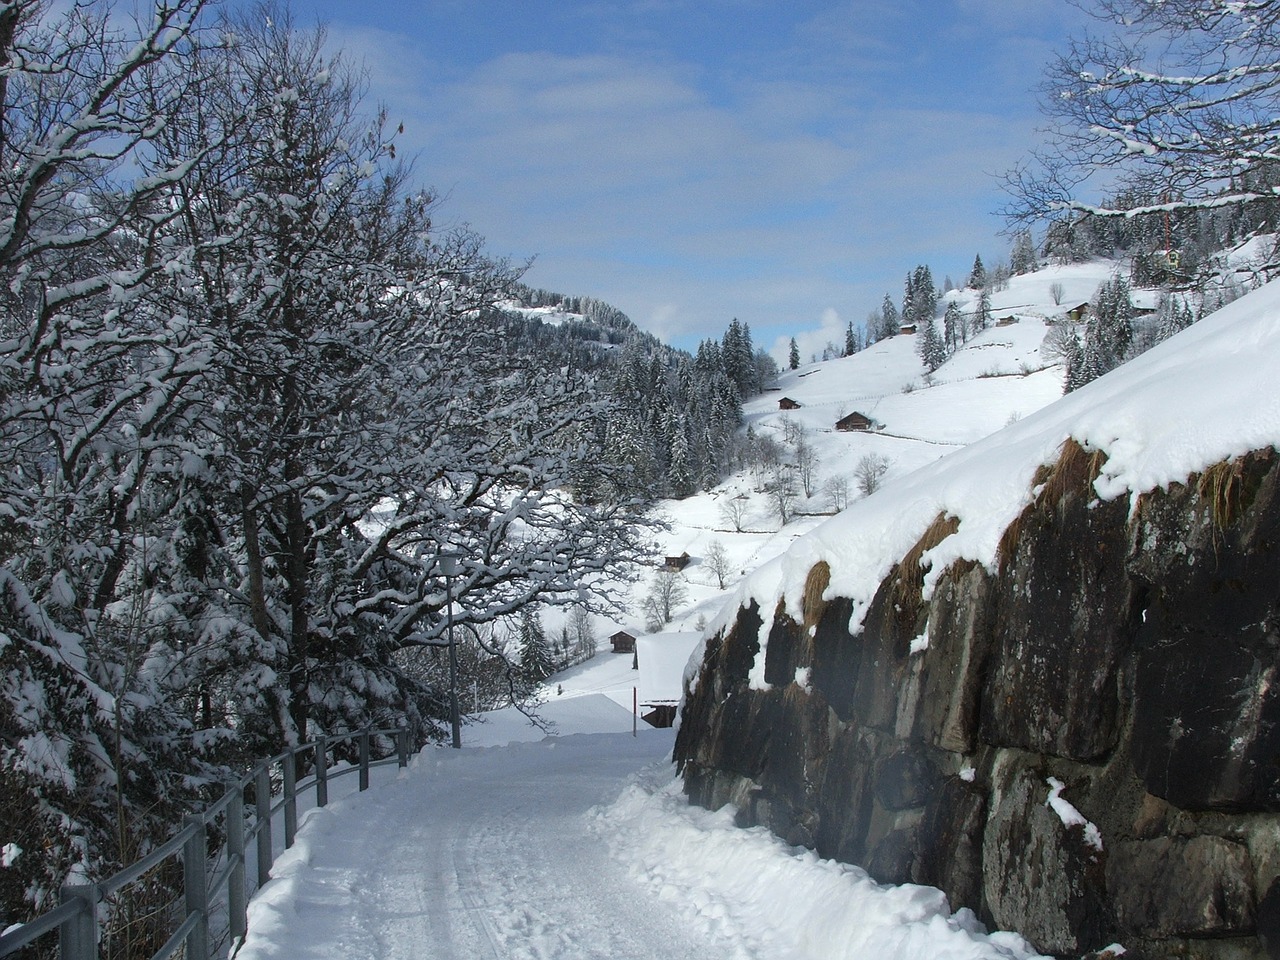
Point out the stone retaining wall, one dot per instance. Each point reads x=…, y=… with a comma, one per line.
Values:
x=1128, y=658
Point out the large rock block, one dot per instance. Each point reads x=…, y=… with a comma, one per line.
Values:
x=741, y=646
x=1061, y=626
x=782, y=651
x=1179, y=887
x=952, y=667
x=1041, y=877
x=844, y=798
x=703, y=739
x=949, y=852
x=1206, y=727
x=837, y=658
x=885, y=648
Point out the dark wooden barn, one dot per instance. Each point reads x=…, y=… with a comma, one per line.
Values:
x=854, y=421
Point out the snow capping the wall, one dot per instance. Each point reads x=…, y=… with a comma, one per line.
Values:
x=1206, y=395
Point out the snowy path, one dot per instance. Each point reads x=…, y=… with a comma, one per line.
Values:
x=478, y=854
x=578, y=848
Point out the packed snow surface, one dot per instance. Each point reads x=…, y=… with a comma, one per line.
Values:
x=577, y=846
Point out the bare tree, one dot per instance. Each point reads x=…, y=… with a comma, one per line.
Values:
x=837, y=488
x=734, y=511
x=806, y=462
x=791, y=429
x=869, y=472
x=1057, y=292
x=1173, y=99
x=782, y=491
x=666, y=593
x=718, y=561
x=767, y=456
x=584, y=638
x=1060, y=342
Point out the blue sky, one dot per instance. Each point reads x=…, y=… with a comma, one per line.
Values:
x=691, y=161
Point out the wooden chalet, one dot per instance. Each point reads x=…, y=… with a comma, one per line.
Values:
x=854, y=421
x=786, y=403
x=907, y=328
x=1008, y=321
x=1076, y=314
x=623, y=642
x=677, y=563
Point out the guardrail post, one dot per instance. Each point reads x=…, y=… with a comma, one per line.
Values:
x=364, y=759
x=322, y=772
x=78, y=937
x=195, y=881
x=402, y=746
x=290, y=798
x=237, y=916
x=262, y=813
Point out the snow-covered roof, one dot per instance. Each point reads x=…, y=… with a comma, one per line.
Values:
x=662, y=658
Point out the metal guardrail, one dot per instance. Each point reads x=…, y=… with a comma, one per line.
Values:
x=76, y=918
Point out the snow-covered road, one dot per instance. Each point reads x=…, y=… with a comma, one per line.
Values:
x=577, y=847
x=475, y=854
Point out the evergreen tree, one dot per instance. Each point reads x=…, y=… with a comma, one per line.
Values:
x=1022, y=259
x=536, y=660
x=930, y=346
x=680, y=471
x=924, y=296
x=890, y=322
x=851, y=345
x=982, y=312
x=734, y=354
x=1109, y=330
x=952, y=327
x=1173, y=315
x=753, y=380
x=1074, y=358
x=793, y=357
x=978, y=275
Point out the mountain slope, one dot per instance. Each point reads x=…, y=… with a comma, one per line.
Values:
x=998, y=376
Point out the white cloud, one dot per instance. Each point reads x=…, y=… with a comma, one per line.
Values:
x=811, y=343
x=688, y=192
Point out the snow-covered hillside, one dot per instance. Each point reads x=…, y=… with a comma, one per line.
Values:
x=1083, y=600
x=997, y=377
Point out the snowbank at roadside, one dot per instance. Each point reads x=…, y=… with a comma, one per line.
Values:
x=781, y=901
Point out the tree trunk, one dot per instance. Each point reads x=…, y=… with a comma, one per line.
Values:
x=297, y=571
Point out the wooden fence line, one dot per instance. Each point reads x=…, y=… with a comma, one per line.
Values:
x=76, y=918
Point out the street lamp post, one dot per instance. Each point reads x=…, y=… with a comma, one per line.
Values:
x=450, y=566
